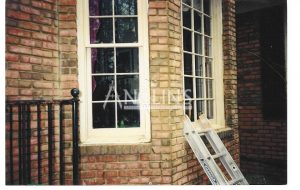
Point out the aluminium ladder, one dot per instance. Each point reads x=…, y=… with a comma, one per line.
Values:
x=194, y=132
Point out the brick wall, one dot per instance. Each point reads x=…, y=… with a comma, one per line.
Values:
x=41, y=57
x=31, y=50
x=230, y=72
x=263, y=142
x=41, y=63
x=51, y=48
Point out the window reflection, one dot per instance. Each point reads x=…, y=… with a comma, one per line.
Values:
x=101, y=30
x=127, y=60
x=126, y=30
x=125, y=7
x=128, y=115
x=103, y=115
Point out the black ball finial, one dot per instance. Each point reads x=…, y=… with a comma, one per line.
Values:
x=75, y=92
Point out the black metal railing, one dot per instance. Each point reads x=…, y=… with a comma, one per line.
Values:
x=33, y=129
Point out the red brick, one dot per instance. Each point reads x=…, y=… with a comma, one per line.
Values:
x=49, y=29
x=11, y=57
x=11, y=40
x=42, y=36
x=42, y=20
x=67, y=33
x=12, y=83
x=12, y=6
x=157, y=4
x=117, y=181
x=40, y=85
x=42, y=5
x=25, y=84
x=67, y=2
x=49, y=45
x=25, y=75
x=65, y=17
x=123, y=158
x=67, y=25
x=26, y=2
x=47, y=61
x=51, y=1
x=12, y=74
x=153, y=172
x=11, y=91
x=107, y=158
x=29, y=10
x=115, y=166
x=42, y=53
x=30, y=59
x=19, y=49
x=88, y=174
x=33, y=43
x=17, y=15
x=20, y=66
x=68, y=48
x=26, y=92
x=18, y=32
x=139, y=180
x=158, y=19
x=29, y=25
x=145, y=157
x=129, y=173
x=109, y=174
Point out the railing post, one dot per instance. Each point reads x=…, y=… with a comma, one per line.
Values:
x=75, y=100
x=11, y=145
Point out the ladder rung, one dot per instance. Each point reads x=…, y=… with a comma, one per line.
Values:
x=235, y=181
x=204, y=130
x=218, y=155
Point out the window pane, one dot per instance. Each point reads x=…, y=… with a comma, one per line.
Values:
x=101, y=30
x=206, y=6
x=103, y=87
x=103, y=115
x=200, y=108
x=127, y=60
x=198, y=66
x=209, y=88
x=188, y=2
x=187, y=40
x=100, y=7
x=125, y=7
x=199, y=88
x=186, y=12
x=207, y=46
x=126, y=30
x=207, y=25
x=198, y=44
x=188, y=85
x=188, y=69
x=197, y=4
x=128, y=115
x=102, y=60
x=210, y=109
x=189, y=109
x=197, y=21
x=128, y=87
x=208, y=67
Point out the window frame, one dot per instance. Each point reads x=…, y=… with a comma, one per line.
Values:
x=88, y=135
x=217, y=67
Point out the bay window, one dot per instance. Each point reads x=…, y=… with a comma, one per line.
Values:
x=202, y=59
x=114, y=71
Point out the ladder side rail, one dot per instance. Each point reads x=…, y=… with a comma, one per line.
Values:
x=226, y=159
x=219, y=147
x=202, y=153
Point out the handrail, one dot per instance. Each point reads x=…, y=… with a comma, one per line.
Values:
x=25, y=130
